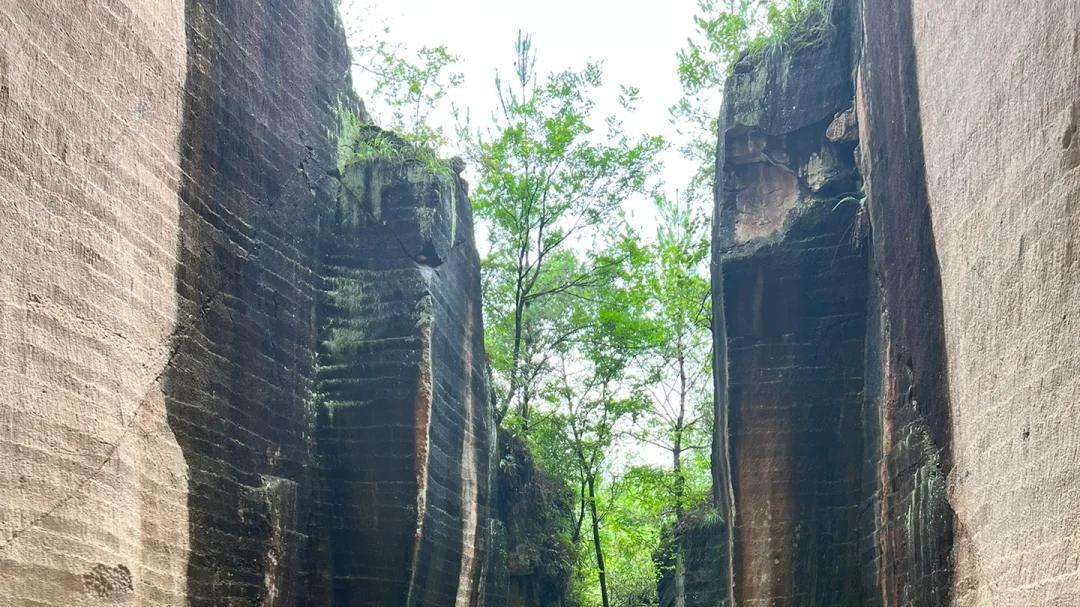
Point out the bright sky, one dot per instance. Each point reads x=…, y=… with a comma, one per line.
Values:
x=636, y=40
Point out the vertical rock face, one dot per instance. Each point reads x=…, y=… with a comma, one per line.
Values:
x=906, y=411
x=907, y=415
x=403, y=430
x=531, y=558
x=219, y=389
x=259, y=118
x=793, y=288
x=93, y=504
x=702, y=556
x=999, y=107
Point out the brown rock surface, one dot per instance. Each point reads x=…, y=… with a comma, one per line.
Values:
x=93, y=505
x=403, y=428
x=791, y=276
x=999, y=88
x=262, y=91
x=967, y=121
x=168, y=176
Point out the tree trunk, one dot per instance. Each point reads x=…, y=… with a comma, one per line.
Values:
x=580, y=520
x=676, y=452
x=596, y=542
x=680, y=576
x=677, y=446
x=525, y=410
x=515, y=357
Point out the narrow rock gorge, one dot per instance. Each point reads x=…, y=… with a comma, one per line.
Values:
x=242, y=361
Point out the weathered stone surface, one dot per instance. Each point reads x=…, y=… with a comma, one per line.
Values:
x=907, y=413
x=700, y=540
x=999, y=101
x=403, y=427
x=962, y=385
x=93, y=504
x=259, y=120
x=780, y=89
x=793, y=295
x=175, y=432
x=844, y=127
x=530, y=561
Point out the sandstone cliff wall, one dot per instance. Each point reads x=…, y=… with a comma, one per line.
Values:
x=999, y=101
x=259, y=125
x=962, y=445
x=793, y=303
x=531, y=556
x=93, y=484
x=906, y=420
x=403, y=430
x=176, y=429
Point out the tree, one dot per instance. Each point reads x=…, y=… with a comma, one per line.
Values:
x=723, y=30
x=550, y=191
x=679, y=365
x=679, y=362
x=596, y=393
x=410, y=84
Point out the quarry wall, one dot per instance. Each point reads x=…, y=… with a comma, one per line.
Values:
x=176, y=428
x=235, y=370
x=793, y=303
x=259, y=125
x=999, y=105
x=403, y=430
x=963, y=120
x=93, y=482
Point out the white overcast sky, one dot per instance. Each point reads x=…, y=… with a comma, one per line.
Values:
x=636, y=40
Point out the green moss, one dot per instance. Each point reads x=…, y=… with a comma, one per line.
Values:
x=712, y=519
x=766, y=65
x=370, y=158
x=349, y=294
x=362, y=142
x=803, y=24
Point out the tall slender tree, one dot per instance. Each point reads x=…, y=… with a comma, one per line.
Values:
x=597, y=392
x=551, y=187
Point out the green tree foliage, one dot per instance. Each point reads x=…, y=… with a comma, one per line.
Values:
x=636, y=373
x=629, y=506
x=599, y=343
x=551, y=188
x=723, y=30
x=593, y=394
x=678, y=365
x=411, y=84
x=679, y=368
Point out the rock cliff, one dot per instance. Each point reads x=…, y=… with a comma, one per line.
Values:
x=895, y=212
x=242, y=356
x=532, y=555
x=791, y=291
x=402, y=431
x=238, y=368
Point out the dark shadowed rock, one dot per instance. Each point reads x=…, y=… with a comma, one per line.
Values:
x=831, y=386
x=403, y=424
x=790, y=270
x=531, y=560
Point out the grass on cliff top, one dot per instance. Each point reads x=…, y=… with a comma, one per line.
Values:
x=359, y=141
x=802, y=24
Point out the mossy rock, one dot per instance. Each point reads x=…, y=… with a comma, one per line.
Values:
x=799, y=77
